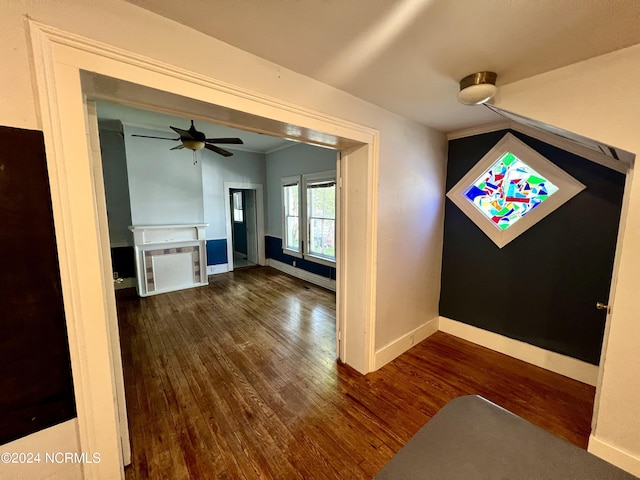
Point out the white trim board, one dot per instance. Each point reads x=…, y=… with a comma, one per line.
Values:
x=302, y=274
x=555, y=140
x=216, y=269
x=59, y=438
x=613, y=455
x=400, y=345
x=555, y=362
x=479, y=130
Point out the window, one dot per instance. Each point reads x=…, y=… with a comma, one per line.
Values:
x=511, y=189
x=238, y=214
x=291, y=217
x=321, y=218
x=309, y=217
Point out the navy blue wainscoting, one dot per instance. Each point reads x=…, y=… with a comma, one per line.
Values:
x=273, y=249
x=217, y=251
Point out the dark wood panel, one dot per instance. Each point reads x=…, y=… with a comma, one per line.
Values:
x=35, y=372
x=240, y=380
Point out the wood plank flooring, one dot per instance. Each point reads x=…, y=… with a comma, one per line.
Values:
x=239, y=380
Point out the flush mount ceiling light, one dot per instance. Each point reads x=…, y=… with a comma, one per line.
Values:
x=477, y=88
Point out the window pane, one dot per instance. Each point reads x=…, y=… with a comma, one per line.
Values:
x=291, y=212
x=509, y=190
x=237, y=207
x=315, y=236
x=291, y=200
x=322, y=237
x=329, y=238
x=292, y=241
x=322, y=202
x=321, y=210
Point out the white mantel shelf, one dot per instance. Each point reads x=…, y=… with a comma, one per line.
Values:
x=169, y=257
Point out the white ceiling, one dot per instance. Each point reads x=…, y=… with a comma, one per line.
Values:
x=253, y=142
x=408, y=55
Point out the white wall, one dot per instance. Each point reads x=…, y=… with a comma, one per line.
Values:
x=296, y=160
x=410, y=229
x=165, y=186
x=242, y=167
x=598, y=98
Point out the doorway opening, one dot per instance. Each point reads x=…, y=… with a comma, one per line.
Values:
x=61, y=62
x=244, y=240
x=244, y=219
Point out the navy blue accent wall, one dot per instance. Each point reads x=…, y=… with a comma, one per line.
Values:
x=542, y=287
x=217, y=251
x=273, y=249
x=240, y=237
x=123, y=261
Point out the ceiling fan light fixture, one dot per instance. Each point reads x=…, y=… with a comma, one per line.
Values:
x=477, y=88
x=194, y=145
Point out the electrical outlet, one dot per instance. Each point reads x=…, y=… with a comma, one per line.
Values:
x=294, y=263
x=116, y=275
x=412, y=338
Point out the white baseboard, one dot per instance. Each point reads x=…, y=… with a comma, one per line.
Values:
x=404, y=343
x=303, y=274
x=59, y=438
x=215, y=269
x=128, y=282
x=558, y=363
x=613, y=455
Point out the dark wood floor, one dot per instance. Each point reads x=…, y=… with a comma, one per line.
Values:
x=239, y=379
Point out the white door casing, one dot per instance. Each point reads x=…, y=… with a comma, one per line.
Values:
x=251, y=223
x=112, y=311
x=259, y=216
x=59, y=58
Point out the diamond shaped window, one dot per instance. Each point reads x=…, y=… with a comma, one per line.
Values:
x=511, y=189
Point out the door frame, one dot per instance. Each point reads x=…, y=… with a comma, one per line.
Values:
x=250, y=209
x=228, y=215
x=59, y=58
x=112, y=309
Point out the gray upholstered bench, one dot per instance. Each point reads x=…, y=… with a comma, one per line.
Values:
x=472, y=438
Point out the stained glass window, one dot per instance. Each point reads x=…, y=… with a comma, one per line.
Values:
x=509, y=190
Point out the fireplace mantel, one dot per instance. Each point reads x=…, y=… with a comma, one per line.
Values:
x=169, y=257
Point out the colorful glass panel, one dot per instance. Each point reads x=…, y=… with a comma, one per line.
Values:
x=508, y=191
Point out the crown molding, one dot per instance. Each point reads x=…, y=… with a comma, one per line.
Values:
x=479, y=130
x=550, y=138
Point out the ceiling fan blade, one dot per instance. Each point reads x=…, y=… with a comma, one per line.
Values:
x=177, y=147
x=236, y=141
x=183, y=133
x=218, y=150
x=159, y=138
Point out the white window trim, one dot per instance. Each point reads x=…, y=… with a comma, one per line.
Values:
x=568, y=187
x=329, y=175
x=288, y=181
x=303, y=246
